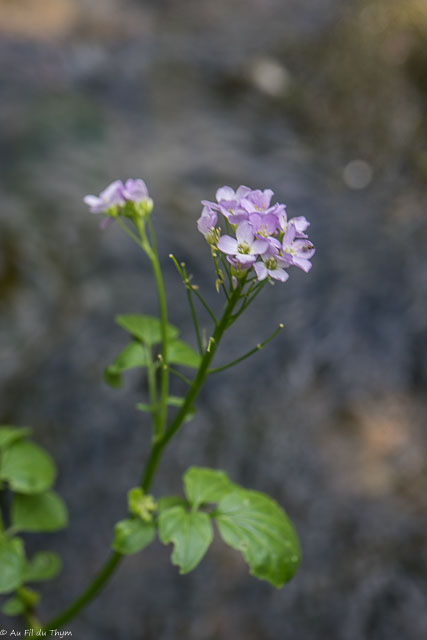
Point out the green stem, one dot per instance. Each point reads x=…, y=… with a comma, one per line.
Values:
x=193, y=391
x=189, y=290
x=179, y=375
x=92, y=590
x=151, y=251
x=248, y=299
x=130, y=233
x=182, y=272
x=249, y=353
x=220, y=276
x=152, y=390
x=156, y=451
x=164, y=373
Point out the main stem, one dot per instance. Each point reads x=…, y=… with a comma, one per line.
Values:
x=156, y=452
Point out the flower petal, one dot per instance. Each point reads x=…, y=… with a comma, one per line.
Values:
x=261, y=270
x=302, y=263
x=245, y=259
x=227, y=244
x=245, y=232
x=225, y=193
x=259, y=246
x=278, y=274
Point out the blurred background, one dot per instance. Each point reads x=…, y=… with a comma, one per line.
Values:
x=325, y=102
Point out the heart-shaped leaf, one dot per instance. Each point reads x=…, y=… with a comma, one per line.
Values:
x=132, y=535
x=27, y=467
x=204, y=485
x=39, y=512
x=147, y=329
x=191, y=534
x=12, y=565
x=179, y=352
x=44, y=565
x=9, y=434
x=133, y=355
x=254, y=524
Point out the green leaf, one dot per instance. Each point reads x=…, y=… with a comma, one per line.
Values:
x=141, y=406
x=44, y=565
x=180, y=352
x=147, y=329
x=112, y=378
x=29, y=597
x=9, y=434
x=40, y=512
x=191, y=534
x=206, y=485
x=175, y=401
x=12, y=565
x=132, y=535
x=167, y=502
x=131, y=357
x=27, y=467
x=13, y=607
x=254, y=524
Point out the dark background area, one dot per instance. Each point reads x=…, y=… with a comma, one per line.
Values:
x=325, y=102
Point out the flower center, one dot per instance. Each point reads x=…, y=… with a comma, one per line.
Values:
x=263, y=231
x=289, y=250
x=271, y=264
x=243, y=247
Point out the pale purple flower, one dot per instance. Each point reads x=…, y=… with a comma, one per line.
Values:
x=111, y=196
x=257, y=200
x=297, y=251
x=264, y=225
x=245, y=247
x=135, y=190
x=227, y=194
x=265, y=239
x=228, y=202
x=271, y=265
x=118, y=194
x=207, y=221
x=300, y=223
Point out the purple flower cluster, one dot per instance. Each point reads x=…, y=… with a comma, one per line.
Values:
x=264, y=237
x=118, y=194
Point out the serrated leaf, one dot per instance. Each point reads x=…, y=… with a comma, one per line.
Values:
x=254, y=524
x=132, y=535
x=167, y=502
x=147, y=329
x=180, y=352
x=191, y=534
x=206, y=485
x=9, y=434
x=131, y=357
x=12, y=566
x=13, y=607
x=39, y=512
x=44, y=565
x=27, y=467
